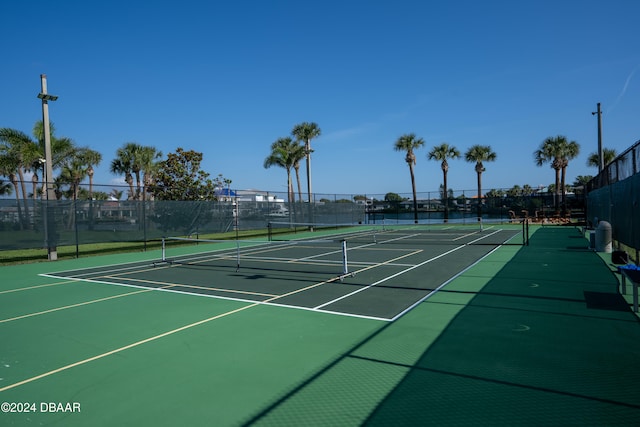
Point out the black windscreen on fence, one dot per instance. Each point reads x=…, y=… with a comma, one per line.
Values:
x=39, y=224
x=613, y=196
x=34, y=223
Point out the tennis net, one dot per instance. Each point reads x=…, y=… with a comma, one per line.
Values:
x=324, y=254
x=494, y=233
x=324, y=248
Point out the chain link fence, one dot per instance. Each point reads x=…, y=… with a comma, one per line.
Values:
x=36, y=223
x=613, y=196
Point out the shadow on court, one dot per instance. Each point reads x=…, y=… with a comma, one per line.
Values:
x=547, y=340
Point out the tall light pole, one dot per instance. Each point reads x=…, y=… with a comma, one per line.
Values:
x=48, y=178
x=600, y=156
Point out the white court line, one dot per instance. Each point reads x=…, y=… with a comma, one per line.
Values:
x=250, y=305
x=465, y=235
x=167, y=287
x=388, y=277
x=136, y=264
x=227, y=290
x=430, y=294
x=335, y=313
x=153, y=338
x=402, y=272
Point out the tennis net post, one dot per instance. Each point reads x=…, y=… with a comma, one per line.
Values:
x=163, y=256
x=345, y=263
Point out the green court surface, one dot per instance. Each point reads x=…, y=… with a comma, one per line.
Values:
x=442, y=333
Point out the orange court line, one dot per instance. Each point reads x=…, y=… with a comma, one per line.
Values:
x=173, y=331
x=120, y=349
x=24, y=316
x=153, y=338
x=36, y=287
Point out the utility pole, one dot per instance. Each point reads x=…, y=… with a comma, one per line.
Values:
x=600, y=155
x=49, y=221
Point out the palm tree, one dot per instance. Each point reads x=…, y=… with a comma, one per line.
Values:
x=75, y=168
x=135, y=160
x=580, y=183
x=8, y=166
x=549, y=152
x=115, y=194
x=61, y=147
x=298, y=154
x=78, y=166
x=305, y=132
x=30, y=152
x=5, y=188
x=441, y=153
x=123, y=165
x=409, y=143
x=557, y=151
x=99, y=195
x=571, y=151
x=608, y=154
x=515, y=191
x=91, y=158
x=34, y=183
x=527, y=190
x=283, y=155
x=22, y=151
x=478, y=154
x=148, y=158
x=136, y=164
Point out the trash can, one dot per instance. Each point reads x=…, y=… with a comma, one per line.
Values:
x=603, y=237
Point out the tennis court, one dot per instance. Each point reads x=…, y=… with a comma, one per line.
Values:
x=330, y=327
x=353, y=271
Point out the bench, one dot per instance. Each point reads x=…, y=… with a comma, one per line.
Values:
x=634, y=278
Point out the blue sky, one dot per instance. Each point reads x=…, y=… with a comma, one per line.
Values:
x=229, y=78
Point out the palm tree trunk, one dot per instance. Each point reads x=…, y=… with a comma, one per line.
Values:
x=129, y=180
x=34, y=189
x=563, y=193
x=138, y=189
x=14, y=181
x=297, y=169
x=34, y=186
x=479, y=195
x=25, y=198
x=446, y=196
x=90, y=174
x=72, y=211
x=292, y=194
x=555, y=195
x=308, y=149
x=91, y=199
x=415, y=200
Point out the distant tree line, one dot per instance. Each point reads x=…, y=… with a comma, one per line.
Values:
x=179, y=176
